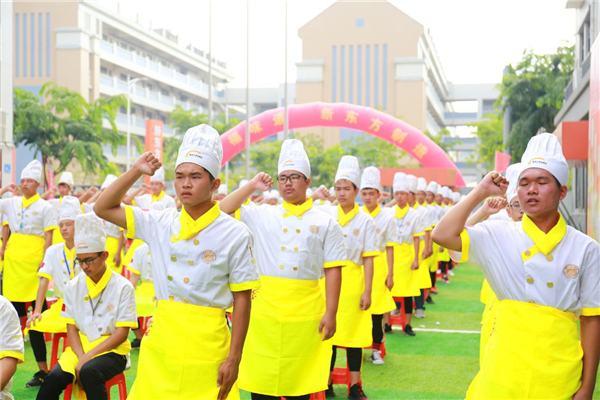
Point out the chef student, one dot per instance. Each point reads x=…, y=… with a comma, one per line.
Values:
x=197, y=275
x=288, y=350
x=430, y=194
x=60, y=267
x=383, y=264
x=99, y=306
x=443, y=256
x=31, y=221
x=421, y=199
x=158, y=195
x=65, y=184
x=354, y=325
x=545, y=275
x=12, y=349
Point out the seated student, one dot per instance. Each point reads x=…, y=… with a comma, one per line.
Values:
x=58, y=265
x=100, y=308
x=11, y=346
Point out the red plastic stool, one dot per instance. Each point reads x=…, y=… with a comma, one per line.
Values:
x=143, y=323
x=24, y=319
x=313, y=396
x=117, y=380
x=399, y=320
x=55, y=344
x=50, y=302
x=381, y=347
x=341, y=376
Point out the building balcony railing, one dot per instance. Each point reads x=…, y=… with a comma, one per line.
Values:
x=569, y=90
x=107, y=80
x=106, y=46
x=124, y=54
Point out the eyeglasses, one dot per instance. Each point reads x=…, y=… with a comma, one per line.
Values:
x=88, y=260
x=515, y=206
x=282, y=179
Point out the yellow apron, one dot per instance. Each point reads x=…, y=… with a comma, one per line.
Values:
x=145, y=299
x=532, y=353
x=24, y=254
x=126, y=260
x=424, y=277
x=443, y=256
x=433, y=260
x=405, y=279
x=112, y=245
x=381, y=298
x=284, y=354
x=487, y=324
x=181, y=354
x=486, y=291
x=52, y=321
x=57, y=236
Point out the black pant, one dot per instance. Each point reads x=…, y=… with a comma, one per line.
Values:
x=444, y=267
x=377, y=328
x=408, y=305
x=420, y=300
x=433, y=276
x=94, y=374
x=354, y=355
x=256, y=396
x=38, y=343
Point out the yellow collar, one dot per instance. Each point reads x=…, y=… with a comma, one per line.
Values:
x=416, y=205
x=297, y=210
x=191, y=227
x=401, y=212
x=238, y=212
x=30, y=201
x=157, y=198
x=431, y=204
x=544, y=242
x=94, y=289
x=375, y=212
x=344, y=218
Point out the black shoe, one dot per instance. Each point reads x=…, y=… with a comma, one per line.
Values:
x=429, y=301
x=329, y=392
x=356, y=393
x=136, y=343
x=38, y=379
x=408, y=331
x=387, y=328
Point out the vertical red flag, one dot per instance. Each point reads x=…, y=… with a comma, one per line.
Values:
x=154, y=140
x=502, y=161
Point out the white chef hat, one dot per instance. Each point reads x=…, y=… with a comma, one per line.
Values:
x=400, y=183
x=512, y=175
x=446, y=192
x=545, y=152
x=66, y=178
x=293, y=158
x=348, y=169
x=433, y=187
x=89, y=234
x=371, y=179
x=455, y=197
x=266, y=195
x=411, y=181
x=309, y=192
x=202, y=146
x=222, y=189
x=421, y=185
x=157, y=206
x=332, y=191
x=274, y=194
x=108, y=181
x=70, y=207
x=159, y=176
x=33, y=170
x=440, y=190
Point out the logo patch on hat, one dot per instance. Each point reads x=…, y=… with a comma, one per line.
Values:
x=82, y=246
x=193, y=153
x=538, y=160
x=571, y=271
x=288, y=163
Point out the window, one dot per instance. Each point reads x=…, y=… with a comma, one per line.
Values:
x=359, y=23
x=88, y=22
x=123, y=77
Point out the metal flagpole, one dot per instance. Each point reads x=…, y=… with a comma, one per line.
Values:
x=210, y=57
x=248, y=90
x=285, y=80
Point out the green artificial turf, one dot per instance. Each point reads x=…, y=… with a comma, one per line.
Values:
x=432, y=365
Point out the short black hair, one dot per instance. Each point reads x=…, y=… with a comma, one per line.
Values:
x=210, y=176
x=354, y=186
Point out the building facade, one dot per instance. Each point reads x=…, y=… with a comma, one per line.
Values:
x=6, y=98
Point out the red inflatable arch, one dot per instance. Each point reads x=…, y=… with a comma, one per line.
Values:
x=342, y=115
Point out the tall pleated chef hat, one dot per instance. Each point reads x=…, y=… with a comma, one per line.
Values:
x=274, y=194
x=400, y=184
x=202, y=146
x=421, y=185
x=455, y=197
x=33, y=170
x=440, y=190
x=293, y=158
x=309, y=192
x=222, y=189
x=411, y=180
x=67, y=178
x=447, y=193
x=348, y=169
x=371, y=179
x=108, y=181
x=266, y=195
x=432, y=187
x=512, y=175
x=159, y=176
x=545, y=152
x=89, y=234
x=69, y=209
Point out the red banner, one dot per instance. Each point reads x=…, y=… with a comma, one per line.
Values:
x=502, y=162
x=154, y=140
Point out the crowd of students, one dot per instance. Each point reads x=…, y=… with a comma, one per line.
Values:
x=300, y=273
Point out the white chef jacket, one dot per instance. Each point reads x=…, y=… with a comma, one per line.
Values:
x=425, y=217
x=567, y=279
x=294, y=247
x=11, y=339
x=203, y=270
x=144, y=201
x=110, y=229
x=385, y=228
x=35, y=220
x=141, y=263
x=409, y=226
x=59, y=265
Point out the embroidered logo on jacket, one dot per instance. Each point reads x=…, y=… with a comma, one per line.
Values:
x=209, y=256
x=571, y=271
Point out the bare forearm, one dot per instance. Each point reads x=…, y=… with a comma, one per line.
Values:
x=75, y=340
x=590, y=342
x=417, y=243
x=134, y=279
x=41, y=295
x=47, y=240
x=241, y=320
x=235, y=200
x=5, y=231
x=8, y=367
x=333, y=285
x=111, y=343
x=390, y=259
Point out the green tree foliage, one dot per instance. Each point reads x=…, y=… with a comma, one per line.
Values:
x=439, y=139
x=534, y=91
x=62, y=126
x=490, y=135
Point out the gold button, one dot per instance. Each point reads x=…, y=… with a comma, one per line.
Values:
x=186, y=301
x=100, y=329
x=253, y=261
x=550, y=284
x=176, y=236
x=529, y=280
x=100, y=301
x=527, y=253
x=345, y=235
x=191, y=262
x=173, y=258
x=283, y=248
x=196, y=242
x=100, y=315
x=295, y=249
x=295, y=268
x=171, y=298
x=281, y=267
x=186, y=280
x=284, y=230
x=549, y=257
x=297, y=230
x=86, y=298
x=169, y=277
x=532, y=302
x=300, y=217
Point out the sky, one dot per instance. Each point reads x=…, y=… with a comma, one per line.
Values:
x=475, y=39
